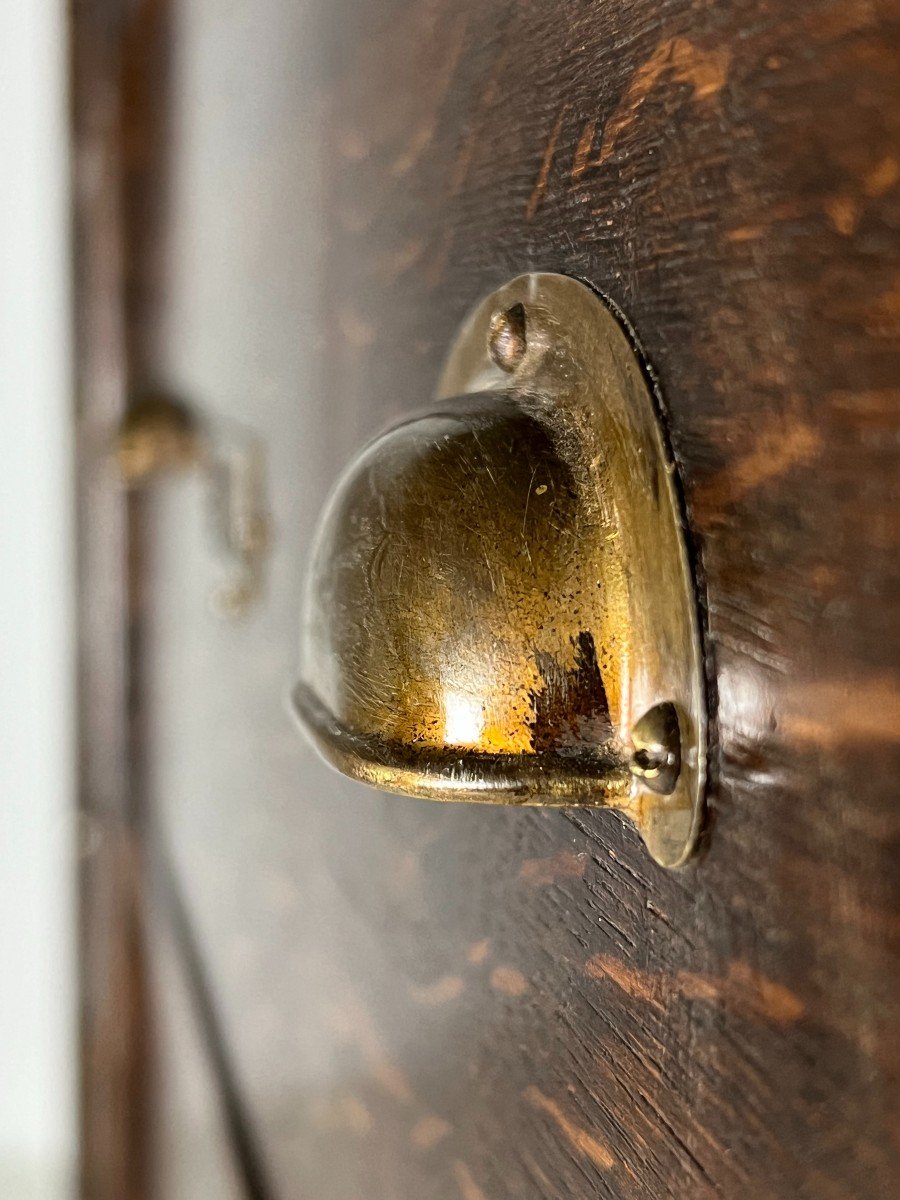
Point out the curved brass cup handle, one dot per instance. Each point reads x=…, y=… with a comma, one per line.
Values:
x=160, y=435
x=500, y=604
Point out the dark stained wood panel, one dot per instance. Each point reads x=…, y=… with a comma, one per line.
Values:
x=443, y=1002
x=728, y=175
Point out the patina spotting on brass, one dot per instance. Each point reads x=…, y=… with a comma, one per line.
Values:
x=499, y=593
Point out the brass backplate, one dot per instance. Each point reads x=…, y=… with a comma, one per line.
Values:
x=579, y=360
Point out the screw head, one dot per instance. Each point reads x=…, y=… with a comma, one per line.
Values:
x=507, y=340
x=656, y=738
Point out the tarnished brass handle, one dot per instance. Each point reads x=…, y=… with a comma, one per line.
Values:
x=500, y=604
x=160, y=435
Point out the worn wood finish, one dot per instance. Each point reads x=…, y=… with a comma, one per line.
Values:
x=727, y=174
x=451, y=1002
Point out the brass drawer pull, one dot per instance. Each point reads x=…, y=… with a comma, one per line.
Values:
x=161, y=435
x=500, y=604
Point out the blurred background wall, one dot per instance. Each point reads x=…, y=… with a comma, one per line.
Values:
x=37, y=888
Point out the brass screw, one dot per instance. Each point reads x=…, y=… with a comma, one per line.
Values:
x=507, y=341
x=656, y=738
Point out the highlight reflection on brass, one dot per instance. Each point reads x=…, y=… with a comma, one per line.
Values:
x=499, y=606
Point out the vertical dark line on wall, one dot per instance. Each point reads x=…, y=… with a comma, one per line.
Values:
x=242, y=1136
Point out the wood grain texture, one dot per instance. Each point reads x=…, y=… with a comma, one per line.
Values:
x=728, y=175
x=471, y=1004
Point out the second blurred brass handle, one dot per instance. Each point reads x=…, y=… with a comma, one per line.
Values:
x=159, y=435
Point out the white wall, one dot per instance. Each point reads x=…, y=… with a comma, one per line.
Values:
x=37, y=994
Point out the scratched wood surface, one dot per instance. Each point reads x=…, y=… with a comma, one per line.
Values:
x=451, y=1003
